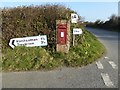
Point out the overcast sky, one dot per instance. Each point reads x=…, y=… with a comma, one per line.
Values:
x=91, y=11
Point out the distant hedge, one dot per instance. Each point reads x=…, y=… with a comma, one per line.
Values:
x=112, y=24
x=32, y=20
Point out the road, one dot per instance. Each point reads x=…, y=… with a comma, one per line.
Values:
x=101, y=74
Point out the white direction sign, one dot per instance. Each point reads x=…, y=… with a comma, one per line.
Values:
x=74, y=18
x=29, y=41
x=77, y=31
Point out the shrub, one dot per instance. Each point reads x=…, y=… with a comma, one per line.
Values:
x=31, y=21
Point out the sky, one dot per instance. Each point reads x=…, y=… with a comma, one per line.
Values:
x=91, y=11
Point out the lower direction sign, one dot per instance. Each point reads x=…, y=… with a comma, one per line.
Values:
x=77, y=31
x=29, y=41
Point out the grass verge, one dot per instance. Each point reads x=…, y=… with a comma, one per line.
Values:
x=86, y=51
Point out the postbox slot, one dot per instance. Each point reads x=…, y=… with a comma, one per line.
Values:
x=62, y=26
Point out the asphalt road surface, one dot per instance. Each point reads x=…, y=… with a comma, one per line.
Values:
x=101, y=74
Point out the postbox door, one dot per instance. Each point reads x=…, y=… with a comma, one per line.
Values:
x=62, y=34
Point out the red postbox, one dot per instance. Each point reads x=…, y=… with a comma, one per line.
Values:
x=62, y=34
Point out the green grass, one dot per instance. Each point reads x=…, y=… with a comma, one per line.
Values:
x=86, y=50
x=23, y=58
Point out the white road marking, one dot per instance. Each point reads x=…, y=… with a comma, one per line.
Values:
x=106, y=58
x=99, y=65
x=107, y=80
x=114, y=66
